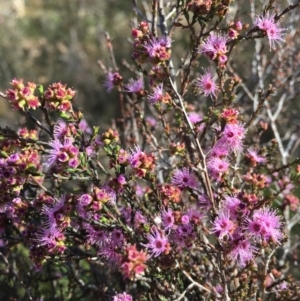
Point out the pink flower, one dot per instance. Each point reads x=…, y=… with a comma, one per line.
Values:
x=134, y=86
x=217, y=167
x=233, y=136
x=195, y=119
x=121, y=179
x=268, y=24
x=106, y=194
x=185, y=230
x=59, y=151
x=215, y=47
x=238, y=25
x=110, y=256
x=233, y=205
x=159, y=48
x=52, y=238
x=206, y=84
x=99, y=238
x=204, y=203
x=254, y=157
x=122, y=297
x=194, y=214
x=117, y=238
x=265, y=224
x=84, y=200
x=141, y=162
x=219, y=150
x=134, y=158
x=84, y=127
x=157, y=242
x=167, y=218
x=139, y=219
x=184, y=178
x=185, y=219
x=112, y=80
x=151, y=121
x=57, y=214
x=223, y=226
x=157, y=95
x=243, y=252
x=60, y=129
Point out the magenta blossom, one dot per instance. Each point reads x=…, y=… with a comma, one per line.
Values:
x=157, y=95
x=243, y=252
x=56, y=214
x=223, y=226
x=233, y=205
x=265, y=224
x=62, y=153
x=52, y=238
x=60, y=129
x=254, y=157
x=139, y=219
x=215, y=47
x=233, y=136
x=167, y=218
x=217, y=167
x=134, y=86
x=151, y=121
x=184, y=178
x=157, y=242
x=122, y=297
x=84, y=127
x=159, y=48
x=195, y=119
x=219, y=150
x=267, y=24
x=110, y=256
x=206, y=84
x=112, y=80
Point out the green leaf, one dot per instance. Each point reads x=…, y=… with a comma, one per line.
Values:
x=41, y=89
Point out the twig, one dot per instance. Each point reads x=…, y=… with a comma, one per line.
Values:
x=202, y=165
x=266, y=269
x=193, y=283
x=111, y=50
x=154, y=18
x=41, y=185
x=32, y=118
x=289, y=8
x=223, y=277
x=37, y=122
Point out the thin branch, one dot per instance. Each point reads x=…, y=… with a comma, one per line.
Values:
x=202, y=165
x=154, y=18
x=111, y=51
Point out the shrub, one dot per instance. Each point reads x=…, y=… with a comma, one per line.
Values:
x=189, y=195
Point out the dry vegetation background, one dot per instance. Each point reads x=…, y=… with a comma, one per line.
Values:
x=49, y=41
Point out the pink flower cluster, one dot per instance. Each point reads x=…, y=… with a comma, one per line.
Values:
x=215, y=48
x=58, y=97
x=22, y=96
x=244, y=232
x=268, y=24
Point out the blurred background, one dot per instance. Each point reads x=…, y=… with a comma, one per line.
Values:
x=50, y=41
